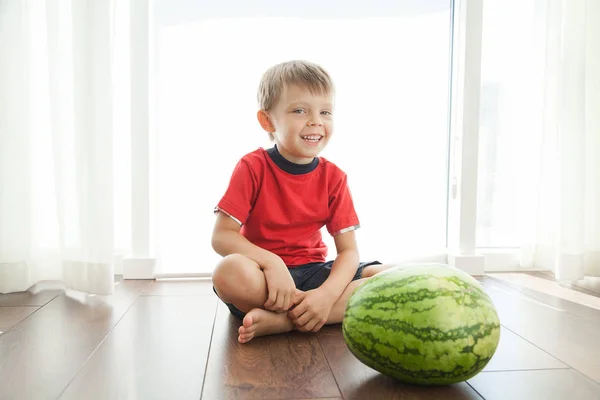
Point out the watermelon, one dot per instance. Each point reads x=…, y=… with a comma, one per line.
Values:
x=424, y=324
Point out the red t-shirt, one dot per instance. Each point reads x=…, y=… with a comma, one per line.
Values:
x=284, y=212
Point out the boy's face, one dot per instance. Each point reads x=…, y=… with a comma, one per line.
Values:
x=301, y=123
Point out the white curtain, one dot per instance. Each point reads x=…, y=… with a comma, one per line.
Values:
x=562, y=232
x=57, y=175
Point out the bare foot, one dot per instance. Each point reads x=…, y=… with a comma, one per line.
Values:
x=259, y=322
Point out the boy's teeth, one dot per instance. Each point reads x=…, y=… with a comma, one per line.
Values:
x=312, y=138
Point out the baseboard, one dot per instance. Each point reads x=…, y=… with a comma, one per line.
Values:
x=471, y=264
x=182, y=275
x=138, y=268
x=504, y=260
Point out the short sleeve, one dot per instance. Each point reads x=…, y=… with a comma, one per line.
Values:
x=342, y=215
x=238, y=200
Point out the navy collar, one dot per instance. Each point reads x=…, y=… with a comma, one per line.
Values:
x=290, y=167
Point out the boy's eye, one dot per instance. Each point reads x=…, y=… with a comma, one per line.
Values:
x=298, y=111
x=326, y=112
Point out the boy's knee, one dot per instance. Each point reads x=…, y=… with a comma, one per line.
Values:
x=231, y=271
x=228, y=269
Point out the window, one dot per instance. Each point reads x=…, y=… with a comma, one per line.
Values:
x=512, y=90
x=391, y=65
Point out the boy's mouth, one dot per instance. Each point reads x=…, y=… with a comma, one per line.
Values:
x=312, y=138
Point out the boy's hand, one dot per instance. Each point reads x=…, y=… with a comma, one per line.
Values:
x=280, y=286
x=312, y=309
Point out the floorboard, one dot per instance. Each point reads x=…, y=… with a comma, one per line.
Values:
x=515, y=353
x=194, y=287
x=564, y=305
x=559, y=384
x=589, y=285
x=567, y=337
x=290, y=366
x=175, y=339
x=38, y=295
x=157, y=351
x=42, y=354
x=357, y=381
x=11, y=316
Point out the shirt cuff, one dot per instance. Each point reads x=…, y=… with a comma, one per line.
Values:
x=218, y=209
x=348, y=229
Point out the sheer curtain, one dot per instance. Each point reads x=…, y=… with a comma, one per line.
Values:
x=58, y=180
x=539, y=171
x=564, y=232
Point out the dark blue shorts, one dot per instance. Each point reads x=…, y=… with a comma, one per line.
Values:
x=308, y=277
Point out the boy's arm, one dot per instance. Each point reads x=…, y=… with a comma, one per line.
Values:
x=227, y=239
x=344, y=265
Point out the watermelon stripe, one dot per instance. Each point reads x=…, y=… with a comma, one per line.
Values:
x=402, y=292
x=423, y=376
x=458, y=371
x=398, y=285
x=429, y=324
x=476, y=331
x=400, y=299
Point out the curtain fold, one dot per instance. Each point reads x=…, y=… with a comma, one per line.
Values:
x=564, y=233
x=56, y=150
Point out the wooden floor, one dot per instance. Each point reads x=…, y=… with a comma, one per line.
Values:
x=174, y=340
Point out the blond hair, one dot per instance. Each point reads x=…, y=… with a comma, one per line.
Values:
x=296, y=72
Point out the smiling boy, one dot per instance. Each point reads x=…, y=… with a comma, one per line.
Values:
x=274, y=274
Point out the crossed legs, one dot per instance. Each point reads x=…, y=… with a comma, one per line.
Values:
x=251, y=296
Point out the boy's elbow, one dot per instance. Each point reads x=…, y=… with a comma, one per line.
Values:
x=216, y=242
x=222, y=234
x=221, y=242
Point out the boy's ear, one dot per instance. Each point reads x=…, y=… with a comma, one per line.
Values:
x=265, y=121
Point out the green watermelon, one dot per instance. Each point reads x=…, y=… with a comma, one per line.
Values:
x=425, y=324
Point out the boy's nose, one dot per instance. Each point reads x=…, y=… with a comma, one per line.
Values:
x=315, y=121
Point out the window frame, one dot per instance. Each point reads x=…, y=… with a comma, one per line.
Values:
x=463, y=130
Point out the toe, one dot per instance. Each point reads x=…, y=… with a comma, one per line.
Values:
x=248, y=321
x=244, y=338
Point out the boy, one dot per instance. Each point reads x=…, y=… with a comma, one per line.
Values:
x=273, y=275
